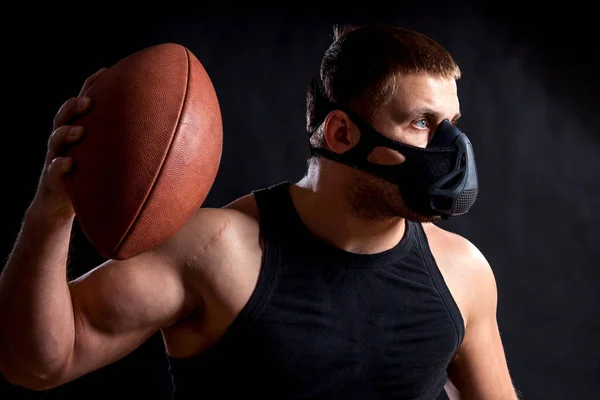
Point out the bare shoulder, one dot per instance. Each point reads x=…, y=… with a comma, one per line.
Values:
x=454, y=245
x=217, y=231
x=466, y=271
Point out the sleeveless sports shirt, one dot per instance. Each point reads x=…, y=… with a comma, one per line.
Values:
x=323, y=323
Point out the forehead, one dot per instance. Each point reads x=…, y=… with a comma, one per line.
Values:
x=423, y=91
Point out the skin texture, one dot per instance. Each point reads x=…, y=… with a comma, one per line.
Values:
x=193, y=286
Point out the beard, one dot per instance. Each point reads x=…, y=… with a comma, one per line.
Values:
x=374, y=198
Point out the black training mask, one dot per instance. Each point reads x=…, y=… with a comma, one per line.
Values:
x=440, y=179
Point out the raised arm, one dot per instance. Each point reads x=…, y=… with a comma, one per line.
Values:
x=52, y=330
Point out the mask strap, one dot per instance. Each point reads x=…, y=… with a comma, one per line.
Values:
x=355, y=156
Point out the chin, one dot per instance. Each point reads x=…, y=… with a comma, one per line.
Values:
x=376, y=199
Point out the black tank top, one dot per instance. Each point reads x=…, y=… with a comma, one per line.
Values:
x=323, y=323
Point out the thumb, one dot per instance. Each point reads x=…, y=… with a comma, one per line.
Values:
x=58, y=168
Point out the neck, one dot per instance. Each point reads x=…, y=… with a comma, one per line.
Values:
x=321, y=202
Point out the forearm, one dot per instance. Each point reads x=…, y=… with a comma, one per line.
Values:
x=36, y=314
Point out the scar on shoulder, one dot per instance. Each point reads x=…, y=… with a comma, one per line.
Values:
x=216, y=236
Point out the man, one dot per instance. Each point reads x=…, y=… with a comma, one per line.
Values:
x=336, y=287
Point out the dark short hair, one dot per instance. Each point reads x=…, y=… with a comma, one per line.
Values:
x=358, y=68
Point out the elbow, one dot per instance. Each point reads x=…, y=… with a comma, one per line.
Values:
x=26, y=380
x=32, y=373
x=38, y=384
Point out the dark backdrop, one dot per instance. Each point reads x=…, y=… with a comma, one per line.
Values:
x=529, y=97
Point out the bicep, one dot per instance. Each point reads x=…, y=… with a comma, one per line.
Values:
x=479, y=370
x=118, y=306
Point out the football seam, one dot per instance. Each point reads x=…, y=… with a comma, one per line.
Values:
x=161, y=169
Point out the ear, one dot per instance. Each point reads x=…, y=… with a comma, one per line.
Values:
x=340, y=133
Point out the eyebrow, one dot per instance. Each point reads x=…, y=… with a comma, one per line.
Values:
x=424, y=112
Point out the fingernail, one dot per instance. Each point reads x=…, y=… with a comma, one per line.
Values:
x=75, y=131
x=83, y=103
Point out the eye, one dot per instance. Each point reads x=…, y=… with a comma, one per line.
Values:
x=421, y=123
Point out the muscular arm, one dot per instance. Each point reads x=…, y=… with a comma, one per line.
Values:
x=479, y=370
x=53, y=331
x=35, y=298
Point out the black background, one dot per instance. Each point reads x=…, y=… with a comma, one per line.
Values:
x=529, y=97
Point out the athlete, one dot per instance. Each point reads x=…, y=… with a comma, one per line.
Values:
x=338, y=286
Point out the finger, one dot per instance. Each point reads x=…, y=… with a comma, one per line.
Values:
x=90, y=81
x=60, y=139
x=58, y=167
x=71, y=108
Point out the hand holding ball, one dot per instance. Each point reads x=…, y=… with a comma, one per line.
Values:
x=151, y=151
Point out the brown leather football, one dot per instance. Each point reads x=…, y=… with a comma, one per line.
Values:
x=151, y=150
